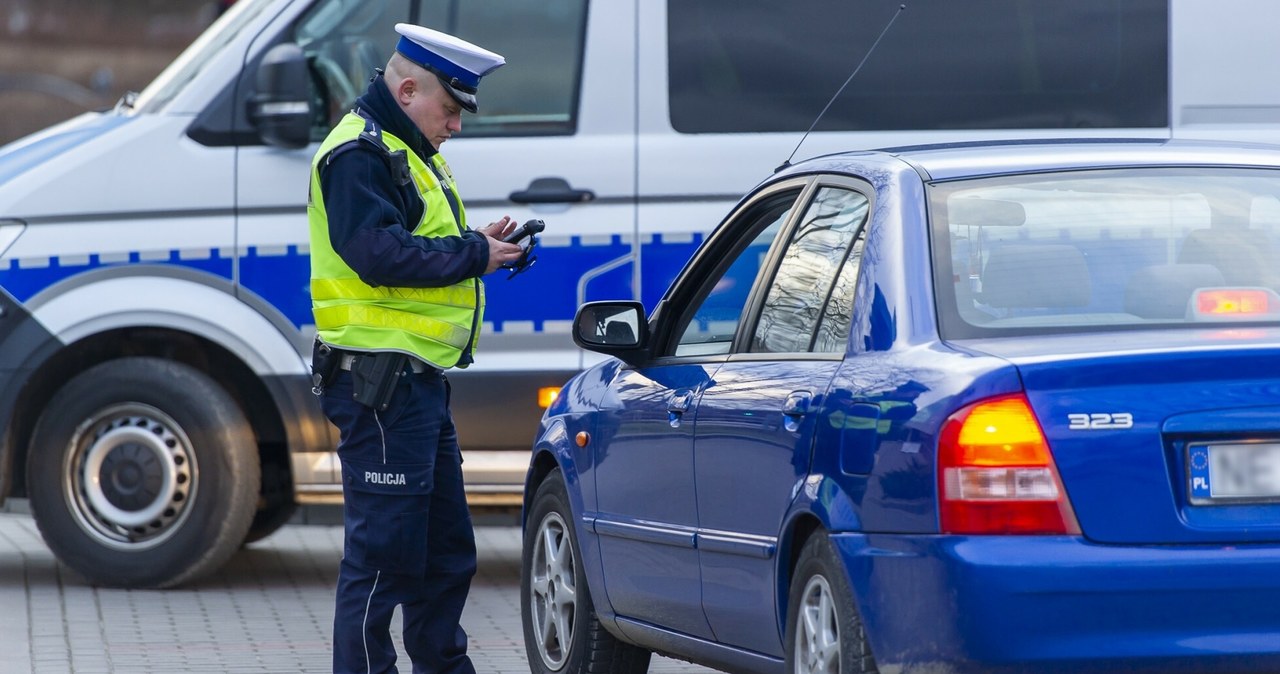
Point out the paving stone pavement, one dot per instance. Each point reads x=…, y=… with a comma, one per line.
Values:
x=269, y=610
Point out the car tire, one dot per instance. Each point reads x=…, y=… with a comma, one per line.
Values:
x=824, y=631
x=142, y=473
x=562, y=634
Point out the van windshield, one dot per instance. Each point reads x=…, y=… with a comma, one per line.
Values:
x=1107, y=249
x=185, y=69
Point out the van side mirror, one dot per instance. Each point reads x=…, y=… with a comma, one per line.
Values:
x=281, y=108
x=614, y=328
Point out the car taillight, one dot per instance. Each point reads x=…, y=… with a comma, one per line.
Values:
x=996, y=475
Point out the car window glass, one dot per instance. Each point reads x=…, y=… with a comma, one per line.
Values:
x=818, y=248
x=709, y=325
x=833, y=330
x=534, y=94
x=944, y=65
x=1107, y=249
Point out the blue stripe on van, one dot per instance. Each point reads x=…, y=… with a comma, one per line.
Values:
x=547, y=292
x=25, y=277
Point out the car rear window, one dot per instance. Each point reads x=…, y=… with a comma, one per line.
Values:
x=1107, y=249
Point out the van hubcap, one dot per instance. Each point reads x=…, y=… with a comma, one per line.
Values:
x=131, y=476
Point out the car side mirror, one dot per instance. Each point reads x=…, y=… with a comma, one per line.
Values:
x=281, y=108
x=616, y=328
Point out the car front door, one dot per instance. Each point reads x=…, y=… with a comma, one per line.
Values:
x=755, y=424
x=644, y=457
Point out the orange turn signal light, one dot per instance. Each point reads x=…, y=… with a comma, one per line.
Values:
x=1002, y=432
x=547, y=395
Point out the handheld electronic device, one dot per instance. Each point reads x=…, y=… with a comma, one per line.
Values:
x=528, y=229
x=526, y=236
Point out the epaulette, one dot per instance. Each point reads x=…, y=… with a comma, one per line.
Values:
x=370, y=135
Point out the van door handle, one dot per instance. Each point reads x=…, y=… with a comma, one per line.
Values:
x=794, y=409
x=551, y=191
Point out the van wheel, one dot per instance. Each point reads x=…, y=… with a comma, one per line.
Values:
x=561, y=631
x=824, y=632
x=142, y=473
x=275, y=503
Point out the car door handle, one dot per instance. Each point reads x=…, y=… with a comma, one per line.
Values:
x=551, y=191
x=794, y=409
x=677, y=405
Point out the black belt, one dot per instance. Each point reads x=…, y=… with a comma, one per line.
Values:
x=418, y=366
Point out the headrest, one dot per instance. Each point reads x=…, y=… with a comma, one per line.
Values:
x=1051, y=276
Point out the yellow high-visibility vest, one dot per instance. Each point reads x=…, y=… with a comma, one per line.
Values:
x=438, y=325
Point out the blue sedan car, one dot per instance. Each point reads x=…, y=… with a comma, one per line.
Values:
x=967, y=408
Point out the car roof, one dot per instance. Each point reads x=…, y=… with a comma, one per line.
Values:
x=999, y=157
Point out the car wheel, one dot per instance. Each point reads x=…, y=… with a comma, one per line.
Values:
x=824, y=632
x=142, y=473
x=561, y=630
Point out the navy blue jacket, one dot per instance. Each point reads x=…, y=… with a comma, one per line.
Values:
x=371, y=217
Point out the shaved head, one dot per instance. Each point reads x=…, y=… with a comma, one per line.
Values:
x=400, y=69
x=424, y=99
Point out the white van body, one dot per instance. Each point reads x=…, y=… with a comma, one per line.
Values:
x=173, y=227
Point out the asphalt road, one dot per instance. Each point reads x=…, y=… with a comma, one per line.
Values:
x=269, y=610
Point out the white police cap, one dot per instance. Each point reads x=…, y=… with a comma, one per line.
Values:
x=458, y=63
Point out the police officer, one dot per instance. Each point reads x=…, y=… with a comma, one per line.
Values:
x=397, y=299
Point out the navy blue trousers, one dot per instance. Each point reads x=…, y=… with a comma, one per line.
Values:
x=409, y=540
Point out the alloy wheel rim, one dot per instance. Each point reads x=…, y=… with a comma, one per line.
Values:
x=817, y=645
x=131, y=476
x=553, y=595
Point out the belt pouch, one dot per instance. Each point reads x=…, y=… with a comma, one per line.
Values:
x=374, y=377
x=324, y=365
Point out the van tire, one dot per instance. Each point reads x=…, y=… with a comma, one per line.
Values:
x=588, y=648
x=175, y=462
x=275, y=503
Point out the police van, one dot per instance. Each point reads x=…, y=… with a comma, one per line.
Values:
x=155, y=324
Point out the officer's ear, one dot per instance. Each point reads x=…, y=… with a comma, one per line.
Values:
x=405, y=90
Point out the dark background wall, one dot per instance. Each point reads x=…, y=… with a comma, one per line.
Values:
x=59, y=58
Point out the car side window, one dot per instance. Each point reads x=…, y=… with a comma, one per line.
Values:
x=808, y=303
x=536, y=93
x=833, y=329
x=708, y=326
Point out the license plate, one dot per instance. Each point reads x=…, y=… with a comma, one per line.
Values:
x=1229, y=472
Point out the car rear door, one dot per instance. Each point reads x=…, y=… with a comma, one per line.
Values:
x=755, y=424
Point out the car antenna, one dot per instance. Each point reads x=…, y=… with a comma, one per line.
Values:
x=893, y=18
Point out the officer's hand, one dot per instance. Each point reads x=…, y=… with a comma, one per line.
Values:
x=501, y=252
x=499, y=229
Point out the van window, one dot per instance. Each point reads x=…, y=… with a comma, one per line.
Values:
x=979, y=64
x=534, y=94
